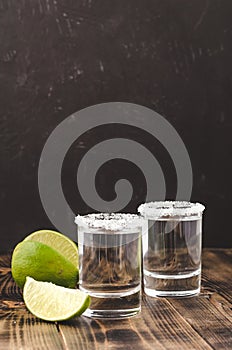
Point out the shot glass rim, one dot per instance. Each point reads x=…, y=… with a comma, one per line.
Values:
x=171, y=210
x=110, y=221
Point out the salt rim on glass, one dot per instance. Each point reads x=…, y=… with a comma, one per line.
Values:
x=110, y=221
x=116, y=228
x=170, y=209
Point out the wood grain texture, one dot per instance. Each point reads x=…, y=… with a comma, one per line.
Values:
x=213, y=307
x=202, y=322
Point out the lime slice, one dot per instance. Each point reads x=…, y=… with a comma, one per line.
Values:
x=43, y=263
x=53, y=303
x=57, y=241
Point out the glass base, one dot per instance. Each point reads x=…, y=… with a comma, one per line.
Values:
x=111, y=314
x=158, y=293
x=182, y=285
x=114, y=305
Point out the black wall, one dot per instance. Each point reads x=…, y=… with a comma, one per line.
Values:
x=57, y=57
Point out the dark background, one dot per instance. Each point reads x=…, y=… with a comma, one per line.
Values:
x=57, y=57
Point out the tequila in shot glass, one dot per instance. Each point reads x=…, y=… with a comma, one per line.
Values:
x=110, y=263
x=172, y=248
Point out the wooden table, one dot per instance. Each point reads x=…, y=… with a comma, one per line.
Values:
x=202, y=322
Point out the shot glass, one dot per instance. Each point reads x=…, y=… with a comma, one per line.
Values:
x=110, y=263
x=172, y=248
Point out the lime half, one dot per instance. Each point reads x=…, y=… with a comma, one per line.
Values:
x=43, y=263
x=53, y=303
x=59, y=242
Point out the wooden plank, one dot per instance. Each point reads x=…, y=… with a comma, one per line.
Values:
x=209, y=323
x=171, y=328
x=222, y=305
x=84, y=333
x=217, y=280
x=159, y=326
x=217, y=284
x=202, y=322
x=21, y=330
x=210, y=313
x=217, y=272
